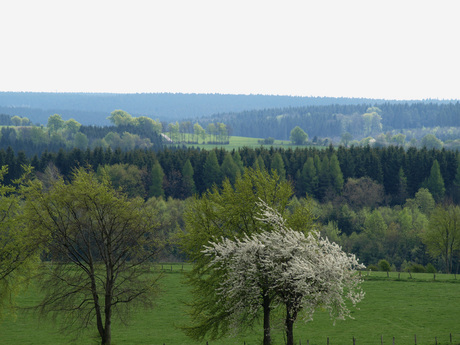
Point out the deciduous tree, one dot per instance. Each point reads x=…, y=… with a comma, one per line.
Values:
x=298, y=136
x=442, y=237
x=19, y=245
x=283, y=266
x=101, y=246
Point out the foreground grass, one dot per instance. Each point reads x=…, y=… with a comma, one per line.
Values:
x=392, y=307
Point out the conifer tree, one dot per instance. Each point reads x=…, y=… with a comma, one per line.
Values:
x=277, y=164
x=212, y=171
x=435, y=182
x=309, y=177
x=336, y=174
x=157, y=175
x=229, y=169
x=187, y=176
x=238, y=162
x=323, y=177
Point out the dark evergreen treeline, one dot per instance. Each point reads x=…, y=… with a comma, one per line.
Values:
x=334, y=120
x=392, y=173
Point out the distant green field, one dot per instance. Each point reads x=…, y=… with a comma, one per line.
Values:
x=237, y=142
x=392, y=308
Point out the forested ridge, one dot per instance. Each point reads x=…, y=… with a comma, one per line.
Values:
x=93, y=108
x=350, y=186
x=334, y=120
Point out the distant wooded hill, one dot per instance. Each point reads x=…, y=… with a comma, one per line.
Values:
x=360, y=120
x=93, y=108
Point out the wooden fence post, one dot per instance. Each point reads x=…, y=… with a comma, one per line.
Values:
x=354, y=341
x=415, y=339
x=327, y=340
x=394, y=341
x=451, y=338
x=436, y=340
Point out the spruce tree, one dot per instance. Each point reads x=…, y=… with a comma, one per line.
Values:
x=336, y=174
x=187, y=176
x=324, y=179
x=277, y=164
x=435, y=182
x=309, y=177
x=157, y=175
x=212, y=172
x=229, y=169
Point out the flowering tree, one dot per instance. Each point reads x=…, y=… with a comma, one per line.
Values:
x=284, y=267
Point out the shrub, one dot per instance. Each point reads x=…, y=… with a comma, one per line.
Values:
x=384, y=265
x=417, y=268
x=372, y=268
x=430, y=268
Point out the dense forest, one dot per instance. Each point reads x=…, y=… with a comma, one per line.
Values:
x=351, y=188
x=413, y=120
x=375, y=197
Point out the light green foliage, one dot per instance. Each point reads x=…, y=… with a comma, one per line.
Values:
x=71, y=127
x=336, y=174
x=38, y=135
x=148, y=124
x=298, y=136
x=81, y=141
x=435, y=183
x=19, y=245
x=156, y=185
x=431, y=142
x=17, y=121
x=372, y=121
x=424, y=201
x=277, y=164
x=229, y=169
x=127, y=178
x=442, y=236
x=199, y=132
x=231, y=213
x=120, y=117
x=55, y=122
x=346, y=138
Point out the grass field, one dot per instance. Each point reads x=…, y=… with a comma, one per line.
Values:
x=237, y=142
x=393, y=307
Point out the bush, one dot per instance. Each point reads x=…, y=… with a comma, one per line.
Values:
x=430, y=268
x=417, y=268
x=384, y=265
x=372, y=268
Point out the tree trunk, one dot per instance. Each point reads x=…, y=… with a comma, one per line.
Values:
x=266, y=306
x=291, y=315
x=289, y=330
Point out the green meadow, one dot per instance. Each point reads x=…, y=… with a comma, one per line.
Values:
x=237, y=142
x=399, y=307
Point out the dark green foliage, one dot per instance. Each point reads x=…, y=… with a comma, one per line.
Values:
x=416, y=268
x=384, y=265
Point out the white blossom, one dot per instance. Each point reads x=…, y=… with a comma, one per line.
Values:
x=300, y=271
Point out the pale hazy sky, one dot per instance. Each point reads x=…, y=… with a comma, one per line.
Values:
x=389, y=49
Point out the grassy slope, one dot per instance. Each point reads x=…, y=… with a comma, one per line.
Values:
x=391, y=308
